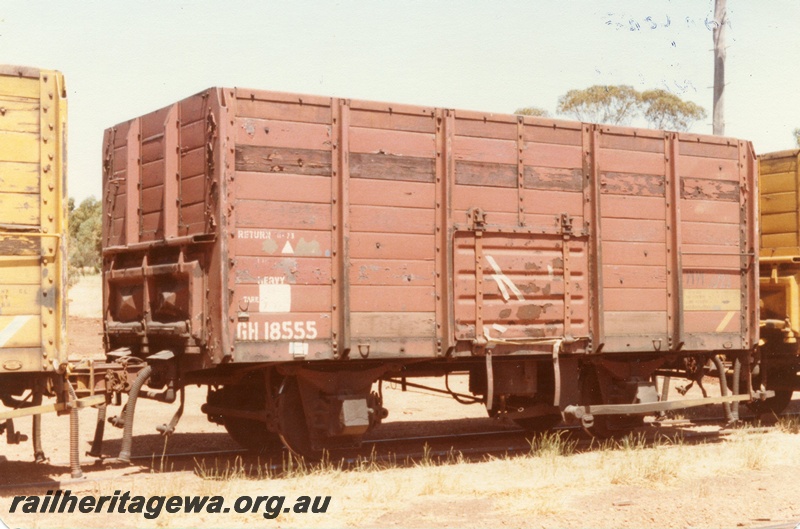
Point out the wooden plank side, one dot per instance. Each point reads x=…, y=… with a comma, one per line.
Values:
x=292, y=298
x=634, y=253
x=713, y=322
x=391, y=272
x=396, y=325
x=285, y=110
x=193, y=191
x=282, y=134
x=782, y=182
x=779, y=240
x=19, y=177
x=383, y=245
x=389, y=219
x=278, y=160
x=631, y=142
x=20, y=208
x=287, y=269
x=19, y=147
x=485, y=174
x=634, y=276
x=264, y=242
x=392, y=167
x=617, y=183
x=708, y=168
x=392, y=298
x=783, y=164
x=635, y=299
x=710, y=233
x=20, y=270
x=710, y=256
x=778, y=203
x=17, y=300
x=19, y=115
x=632, y=323
x=266, y=214
x=392, y=142
x=779, y=223
x=552, y=132
x=705, y=189
x=285, y=187
x=20, y=331
x=727, y=151
x=724, y=212
x=21, y=87
x=381, y=118
x=371, y=192
x=633, y=207
x=635, y=162
x=485, y=150
x=552, y=155
x=632, y=230
x=553, y=178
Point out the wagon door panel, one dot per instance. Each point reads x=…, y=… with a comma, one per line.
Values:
x=520, y=263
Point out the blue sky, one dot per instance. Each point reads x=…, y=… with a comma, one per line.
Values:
x=122, y=58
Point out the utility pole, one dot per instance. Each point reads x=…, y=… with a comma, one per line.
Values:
x=720, y=21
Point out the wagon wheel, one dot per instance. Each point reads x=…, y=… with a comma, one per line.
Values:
x=292, y=426
x=604, y=426
x=775, y=348
x=773, y=405
x=254, y=435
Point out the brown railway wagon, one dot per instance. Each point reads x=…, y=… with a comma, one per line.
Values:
x=291, y=250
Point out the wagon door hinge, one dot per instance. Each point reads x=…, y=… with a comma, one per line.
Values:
x=477, y=219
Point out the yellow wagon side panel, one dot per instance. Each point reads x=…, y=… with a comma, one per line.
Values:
x=32, y=219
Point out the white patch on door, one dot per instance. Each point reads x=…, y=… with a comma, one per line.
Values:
x=274, y=298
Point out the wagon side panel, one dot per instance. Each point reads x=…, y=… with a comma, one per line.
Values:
x=288, y=281
x=33, y=219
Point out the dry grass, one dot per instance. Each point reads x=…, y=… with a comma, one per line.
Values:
x=550, y=482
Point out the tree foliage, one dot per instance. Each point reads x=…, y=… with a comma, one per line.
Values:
x=85, y=228
x=532, y=111
x=621, y=104
x=616, y=105
x=797, y=136
x=665, y=110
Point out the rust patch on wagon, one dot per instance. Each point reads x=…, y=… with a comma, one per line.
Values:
x=632, y=184
x=270, y=246
x=702, y=189
x=550, y=178
x=534, y=332
x=529, y=288
x=532, y=312
x=505, y=313
x=287, y=268
x=306, y=248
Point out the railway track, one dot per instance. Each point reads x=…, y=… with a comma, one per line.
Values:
x=396, y=451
